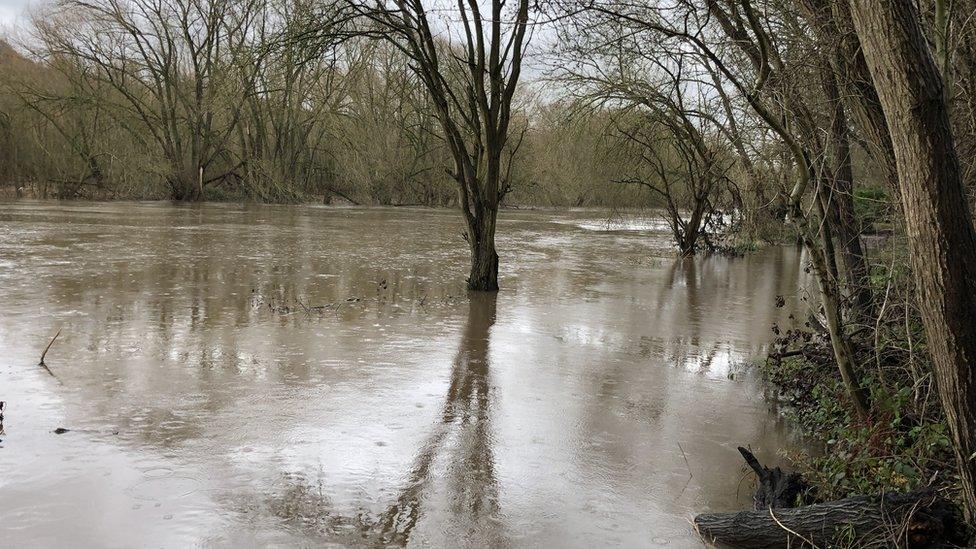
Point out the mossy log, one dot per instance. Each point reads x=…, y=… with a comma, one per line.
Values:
x=915, y=519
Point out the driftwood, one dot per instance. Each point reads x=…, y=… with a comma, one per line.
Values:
x=915, y=519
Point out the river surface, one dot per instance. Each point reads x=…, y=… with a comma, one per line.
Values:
x=239, y=376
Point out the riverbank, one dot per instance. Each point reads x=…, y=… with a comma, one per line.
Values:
x=904, y=444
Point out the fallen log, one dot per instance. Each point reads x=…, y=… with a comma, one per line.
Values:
x=916, y=519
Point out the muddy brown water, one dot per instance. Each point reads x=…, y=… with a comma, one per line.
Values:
x=302, y=376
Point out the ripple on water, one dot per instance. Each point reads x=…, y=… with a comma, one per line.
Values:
x=164, y=488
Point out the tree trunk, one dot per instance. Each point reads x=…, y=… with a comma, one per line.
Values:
x=830, y=300
x=484, y=258
x=687, y=240
x=782, y=518
x=817, y=240
x=941, y=237
x=831, y=20
x=692, y=230
x=839, y=205
x=187, y=185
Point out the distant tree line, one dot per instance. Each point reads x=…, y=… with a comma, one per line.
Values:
x=263, y=100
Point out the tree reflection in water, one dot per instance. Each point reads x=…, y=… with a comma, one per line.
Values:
x=461, y=439
x=470, y=473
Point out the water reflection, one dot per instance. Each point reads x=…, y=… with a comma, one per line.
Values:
x=403, y=413
x=463, y=437
x=460, y=441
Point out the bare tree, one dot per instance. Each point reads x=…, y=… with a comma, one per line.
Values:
x=169, y=65
x=297, y=77
x=393, y=153
x=757, y=71
x=683, y=170
x=472, y=86
x=570, y=158
x=665, y=110
x=72, y=106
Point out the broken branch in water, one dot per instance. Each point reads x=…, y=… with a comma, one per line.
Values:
x=44, y=354
x=48, y=348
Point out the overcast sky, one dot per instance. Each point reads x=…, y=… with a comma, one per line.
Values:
x=12, y=12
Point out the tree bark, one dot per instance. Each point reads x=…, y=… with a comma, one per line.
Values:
x=484, y=258
x=830, y=300
x=941, y=237
x=781, y=519
x=831, y=20
x=839, y=204
x=917, y=519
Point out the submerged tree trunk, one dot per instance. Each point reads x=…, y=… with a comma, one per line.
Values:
x=474, y=112
x=484, y=258
x=686, y=235
x=187, y=185
x=941, y=237
x=693, y=228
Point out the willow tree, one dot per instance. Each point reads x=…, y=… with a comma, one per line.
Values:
x=738, y=42
x=169, y=66
x=663, y=109
x=471, y=68
x=941, y=236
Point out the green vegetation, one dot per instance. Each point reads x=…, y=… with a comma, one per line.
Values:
x=905, y=444
x=872, y=207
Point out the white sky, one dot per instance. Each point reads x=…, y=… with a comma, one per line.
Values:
x=13, y=14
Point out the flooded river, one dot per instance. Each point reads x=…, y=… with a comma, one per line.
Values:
x=301, y=376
